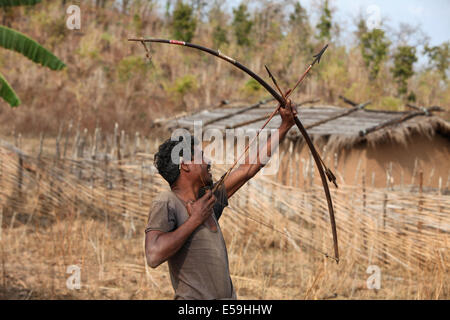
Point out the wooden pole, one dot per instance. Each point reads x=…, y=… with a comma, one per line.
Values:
x=41, y=145
x=115, y=142
x=290, y=165
x=363, y=183
x=57, y=147
x=69, y=131
x=20, y=175
x=385, y=203
x=420, y=191
x=413, y=178
x=297, y=167
x=80, y=154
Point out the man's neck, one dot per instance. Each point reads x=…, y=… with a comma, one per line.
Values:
x=186, y=189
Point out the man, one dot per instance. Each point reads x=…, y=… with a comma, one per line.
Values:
x=183, y=226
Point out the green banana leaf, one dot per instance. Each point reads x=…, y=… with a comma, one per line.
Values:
x=11, y=3
x=7, y=93
x=14, y=40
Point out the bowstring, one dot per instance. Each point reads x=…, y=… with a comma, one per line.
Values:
x=286, y=235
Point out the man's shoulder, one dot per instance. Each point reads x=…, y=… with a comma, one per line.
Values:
x=165, y=196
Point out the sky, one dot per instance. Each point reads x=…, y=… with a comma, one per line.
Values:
x=432, y=16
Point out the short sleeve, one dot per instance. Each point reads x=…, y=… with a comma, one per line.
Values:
x=160, y=217
x=222, y=201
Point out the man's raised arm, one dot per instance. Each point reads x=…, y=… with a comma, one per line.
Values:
x=251, y=166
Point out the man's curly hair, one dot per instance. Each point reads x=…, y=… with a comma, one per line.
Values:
x=163, y=158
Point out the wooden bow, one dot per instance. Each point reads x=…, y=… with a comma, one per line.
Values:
x=282, y=102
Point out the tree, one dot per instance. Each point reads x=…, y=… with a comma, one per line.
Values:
x=439, y=58
x=267, y=22
x=374, y=48
x=198, y=7
x=404, y=58
x=184, y=23
x=218, y=19
x=300, y=27
x=242, y=25
x=16, y=41
x=298, y=21
x=219, y=36
x=325, y=22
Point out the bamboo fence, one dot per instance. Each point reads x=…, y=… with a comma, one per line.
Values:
x=110, y=177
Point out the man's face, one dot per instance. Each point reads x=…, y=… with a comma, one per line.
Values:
x=200, y=168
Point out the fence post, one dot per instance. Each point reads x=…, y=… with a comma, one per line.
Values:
x=297, y=166
x=57, y=148
x=280, y=170
x=75, y=148
x=80, y=153
x=94, y=162
x=431, y=176
x=107, y=188
x=115, y=141
x=55, y=168
x=420, y=205
x=16, y=139
x=141, y=182
x=402, y=179
x=364, y=189
x=41, y=145
x=20, y=175
x=122, y=144
x=147, y=145
x=413, y=178
x=156, y=144
x=385, y=203
x=137, y=144
x=358, y=167
x=336, y=161
x=362, y=230
x=290, y=164
x=69, y=131
x=311, y=171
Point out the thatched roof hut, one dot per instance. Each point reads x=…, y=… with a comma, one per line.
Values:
x=394, y=148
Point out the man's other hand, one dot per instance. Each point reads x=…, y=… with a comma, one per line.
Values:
x=201, y=209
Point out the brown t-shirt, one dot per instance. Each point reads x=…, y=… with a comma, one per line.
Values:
x=199, y=270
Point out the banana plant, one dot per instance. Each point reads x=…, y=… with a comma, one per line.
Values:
x=14, y=40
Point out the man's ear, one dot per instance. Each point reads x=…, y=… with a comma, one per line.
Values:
x=184, y=167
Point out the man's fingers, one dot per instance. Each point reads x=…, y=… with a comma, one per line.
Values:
x=210, y=203
x=207, y=195
x=212, y=200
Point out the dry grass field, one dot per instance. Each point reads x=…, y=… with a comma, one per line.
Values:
x=91, y=212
